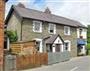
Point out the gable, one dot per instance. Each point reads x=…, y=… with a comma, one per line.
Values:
x=58, y=40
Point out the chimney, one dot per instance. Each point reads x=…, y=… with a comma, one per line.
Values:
x=47, y=10
x=21, y=5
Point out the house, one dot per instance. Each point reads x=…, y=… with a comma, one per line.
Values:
x=81, y=40
x=52, y=33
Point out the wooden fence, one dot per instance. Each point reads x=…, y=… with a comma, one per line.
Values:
x=23, y=47
x=31, y=61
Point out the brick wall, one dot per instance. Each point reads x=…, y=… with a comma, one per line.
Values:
x=1, y=33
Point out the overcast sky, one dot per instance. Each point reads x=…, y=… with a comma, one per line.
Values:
x=74, y=9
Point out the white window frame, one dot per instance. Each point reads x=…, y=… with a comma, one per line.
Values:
x=40, y=40
x=54, y=28
x=40, y=30
x=69, y=46
x=69, y=32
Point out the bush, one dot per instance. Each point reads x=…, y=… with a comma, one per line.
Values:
x=12, y=35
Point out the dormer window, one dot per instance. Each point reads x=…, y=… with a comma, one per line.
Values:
x=37, y=26
x=52, y=28
x=66, y=30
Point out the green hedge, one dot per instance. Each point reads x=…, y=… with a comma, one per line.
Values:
x=88, y=45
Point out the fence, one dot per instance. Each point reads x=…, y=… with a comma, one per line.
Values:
x=31, y=61
x=19, y=62
x=23, y=47
x=26, y=56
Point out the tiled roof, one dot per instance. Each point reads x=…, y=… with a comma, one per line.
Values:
x=52, y=38
x=39, y=15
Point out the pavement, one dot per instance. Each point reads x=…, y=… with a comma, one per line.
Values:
x=75, y=64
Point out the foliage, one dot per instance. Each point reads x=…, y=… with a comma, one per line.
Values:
x=12, y=35
x=88, y=45
x=88, y=37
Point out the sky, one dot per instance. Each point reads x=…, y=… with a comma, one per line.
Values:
x=78, y=10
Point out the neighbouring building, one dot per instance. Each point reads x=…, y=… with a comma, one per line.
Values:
x=81, y=40
x=52, y=33
x=2, y=11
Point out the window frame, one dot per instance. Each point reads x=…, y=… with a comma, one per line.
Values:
x=54, y=31
x=40, y=47
x=40, y=30
x=69, y=31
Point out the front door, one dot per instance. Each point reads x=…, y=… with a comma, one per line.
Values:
x=57, y=48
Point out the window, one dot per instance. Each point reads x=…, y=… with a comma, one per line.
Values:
x=67, y=45
x=39, y=45
x=80, y=31
x=49, y=48
x=66, y=30
x=52, y=28
x=37, y=26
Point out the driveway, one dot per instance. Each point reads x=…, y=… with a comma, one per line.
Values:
x=75, y=64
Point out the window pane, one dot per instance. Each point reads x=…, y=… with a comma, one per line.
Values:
x=51, y=28
x=66, y=45
x=37, y=26
x=37, y=45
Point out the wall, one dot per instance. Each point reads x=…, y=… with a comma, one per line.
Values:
x=28, y=34
x=1, y=32
x=54, y=58
x=15, y=25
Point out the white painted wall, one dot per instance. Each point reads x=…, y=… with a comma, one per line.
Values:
x=58, y=41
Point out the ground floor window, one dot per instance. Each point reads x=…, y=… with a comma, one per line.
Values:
x=39, y=45
x=49, y=48
x=67, y=45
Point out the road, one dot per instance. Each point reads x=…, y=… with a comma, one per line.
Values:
x=75, y=64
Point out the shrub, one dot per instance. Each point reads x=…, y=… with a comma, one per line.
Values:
x=12, y=35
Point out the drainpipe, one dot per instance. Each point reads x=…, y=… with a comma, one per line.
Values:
x=21, y=29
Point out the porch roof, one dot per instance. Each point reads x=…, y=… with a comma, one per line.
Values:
x=51, y=39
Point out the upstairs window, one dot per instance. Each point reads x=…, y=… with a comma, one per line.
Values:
x=52, y=28
x=80, y=31
x=66, y=30
x=37, y=26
